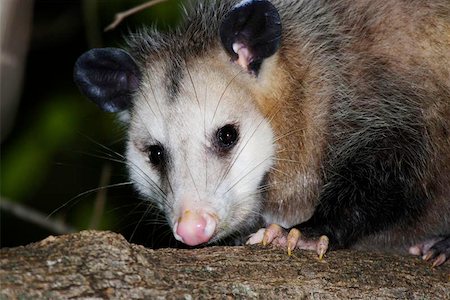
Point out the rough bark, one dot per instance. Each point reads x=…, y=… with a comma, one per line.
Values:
x=94, y=264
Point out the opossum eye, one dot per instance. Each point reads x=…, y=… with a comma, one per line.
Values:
x=227, y=137
x=156, y=155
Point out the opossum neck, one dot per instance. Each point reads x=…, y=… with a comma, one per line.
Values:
x=296, y=104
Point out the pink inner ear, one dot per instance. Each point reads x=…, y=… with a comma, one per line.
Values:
x=244, y=55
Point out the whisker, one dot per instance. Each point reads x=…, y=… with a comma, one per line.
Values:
x=155, y=220
x=144, y=175
x=103, y=157
x=166, y=203
x=246, y=174
x=149, y=208
x=289, y=160
x=121, y=159
x=205, y=135
x=193, y=180
x=192, y=82
x=274, y=112
x=282, y=136
x=223, y=93
x=86, y=193
x=278, y=171
x=144, y=94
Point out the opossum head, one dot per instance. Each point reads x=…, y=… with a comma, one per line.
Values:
x=198, y=146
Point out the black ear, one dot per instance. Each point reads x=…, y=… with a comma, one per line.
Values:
x=107, y=76
x=251, y=32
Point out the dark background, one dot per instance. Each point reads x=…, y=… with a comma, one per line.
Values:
x=61, y=147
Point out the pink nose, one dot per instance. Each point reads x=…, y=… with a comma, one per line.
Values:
x=194, y=228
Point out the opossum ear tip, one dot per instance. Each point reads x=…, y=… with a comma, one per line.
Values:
x=251, y=32
x=107, y=76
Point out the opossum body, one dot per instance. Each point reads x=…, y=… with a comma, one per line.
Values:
x=329, y=118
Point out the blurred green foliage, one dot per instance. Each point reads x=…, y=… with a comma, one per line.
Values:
x=60, y=141
x=26, y=161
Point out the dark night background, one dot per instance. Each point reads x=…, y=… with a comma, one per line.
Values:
x=58, y=147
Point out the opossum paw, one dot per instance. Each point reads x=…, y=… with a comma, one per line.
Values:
x=435, y=250
x=277, y=236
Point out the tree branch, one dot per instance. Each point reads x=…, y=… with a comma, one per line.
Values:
x=119, y=17
x=93, y=264
x=35, y=217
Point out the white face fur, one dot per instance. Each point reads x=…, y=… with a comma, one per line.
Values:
x=197, y=174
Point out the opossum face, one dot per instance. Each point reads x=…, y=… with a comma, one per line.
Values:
x=202, y=155
x=198, y=146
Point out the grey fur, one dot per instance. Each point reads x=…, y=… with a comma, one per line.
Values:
x=348, y=87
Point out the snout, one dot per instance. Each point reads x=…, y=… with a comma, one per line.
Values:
x=195, y=228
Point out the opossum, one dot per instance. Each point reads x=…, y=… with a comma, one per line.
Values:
x=329, y=120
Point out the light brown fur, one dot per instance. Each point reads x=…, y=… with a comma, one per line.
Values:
x=413, y=40
x=317, y=91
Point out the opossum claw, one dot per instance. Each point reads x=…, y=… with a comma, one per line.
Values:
x=274, y=234
x=292, y=240
x=441, y=251
x=322, y=246
x=428, y=256
x=277, y=236
x=274, y=231
x=439, y=260
x=436, y=250
x=256, y=238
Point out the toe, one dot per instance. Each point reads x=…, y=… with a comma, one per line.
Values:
x=272, y=232
x=322, y=246
x=440, y=260
x=435, y=250
x=440, y=252
x=415, y=250
x=292, y=240
x=256, y=238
